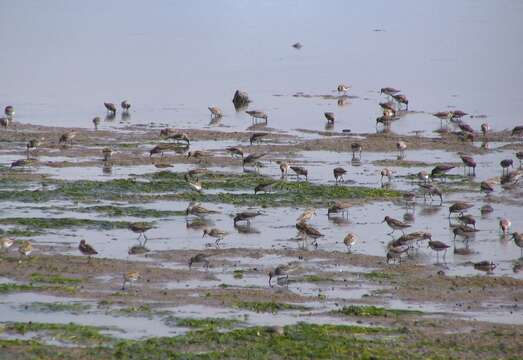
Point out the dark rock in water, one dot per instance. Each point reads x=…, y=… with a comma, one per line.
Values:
x=240, y=99
x=346, y=130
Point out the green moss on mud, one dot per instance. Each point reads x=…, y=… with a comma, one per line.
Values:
x=362, y=310
x=272, y=307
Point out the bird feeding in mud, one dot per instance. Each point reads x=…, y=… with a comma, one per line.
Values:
x=215, y=233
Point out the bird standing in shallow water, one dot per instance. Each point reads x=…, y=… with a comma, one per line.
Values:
x=485, y=128
x=6, y=243
x=26, y=248
x=199, y=259
x=349, y=241
x=216, y=112
x=386, y=173
x=111, y=108
x=504, y=225
x=356, y=148
x=215, y=233
x=279, y=272
x=67, y=137
x=401, y=146
x=395, y=224
x=468, y=162
x=125, y=106
x=140, y=228
x=86, y=249
x=401, y=99
x=284, y=168
x=518, y=240
x=505, y=164
x=519, y=156
x=9, y=111
x=299, y=170
x=330, y=117
x=306, y=215
x=338, y=174
x=438, y=246
x=342, y=88
x=130, y=277
x=459, y=207
x=96, y=122
x=245, y=216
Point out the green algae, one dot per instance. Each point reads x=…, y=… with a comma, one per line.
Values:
x=238, y=274
x=62, y=223
x=272, y=307
x=11, y=287
x=67, y=332
x=213, y=323
x=363, y=310
x=54, y=279
x=133, y=211
x=58, y=307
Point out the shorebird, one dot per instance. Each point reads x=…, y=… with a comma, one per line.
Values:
x=511, y=178
x=342, y=88
x=349, y=241
x=438, y=246
x=402, y=99
x=256, y=114
x=389, y=91
x=299, y=170
x=423, y=176
x=410, y=199
x=487, y=187
x=257, y=137
x=26, y=248
x=159, y=149
x=459, y=207
x=505, y=164
x=140, y=228
x=518, y=240
x=441, y=170
x=306, y=215
x=9, y=111
x=125, y=106
x=245, y=216
x=265, y=187
x=198, y=210
x=107, y=153
x=356, y=148
x=195, y=185
x=395, y=253
x=485, y=128
x=519, y=156
x=504, y=225
x=96, y=122
x=235, y=150
x=284, y=168
x=338, y=174
x=67, y=137
x=386, y=173
x=215, y=233
x=252, y=159
x=467, y=220
x=466, y=128
x=431, y=190
x=178, y=137
x=6, y=243
x=309, y=231
x=413, y=236
x=193, y=173
x=517, y=131
x=337, y=207
x=457, y=114
x=464, y=231
x=330, y=117
x=297, y=45
x=388, y=106
x=199, y=259
x=395, y=224
x=401, y=146
x=130, y=277
x=198, y=154
x=86, y=249
x=468, y=162
x=485, y=265
x=111, y=108
x=4, y=122
x=32, y=144
x=216, y=112
x=465, y=136
x=279, y=272
x=486, y=209
x=21, y=163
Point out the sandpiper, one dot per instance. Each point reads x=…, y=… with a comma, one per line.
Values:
x=459, y=207
x=349, y=241
x=67, y=137
x=519, y=156
x=469, y=162
x=198, y=210
x=140, y=228
x=395, y=224
x=257, y=137
x=309, y=231
x=245, y=216
x=395, y=253
x=388, y=106
x=487, y=187
x=256, y=114
x=284, y=168
x=386, y=173
x=96, y=122
x=401, y=146
x=159, y=149
x=107, y=152
x=130, y=277
x=466, y=128
x=402, y=99
x=339, y=207
x=111, y=108
x=485, y=128
x=423, y=176
x=485, y=265
x=389, y=91
x=9, y=111
x=467, y=220
x=518, y=240
x=252, y=159
x=86, y=249
x=216, y=112
x=21, y=163
x=125, y=105
x=199, y=259
x=464, y=231
x=338, y=174
x=486, y=209
x=235, y=150
x=198, y=154
x=33, y=144
x=342, y=88
x=6, y=243
x=441, y=170
x=438, y=246
x=356, y=148
x=505, y=164
x=512, y=178
x=330, y=117
x=193, y=184
x=265, y=187
x=4, y=122
x=26, y=248
x=300, y=171
x=306, y=215
x=504, y=225
x=178, y=137
x=410, y=199
x=457, y=114
x=517, y=131
x=193, y=173
x=279, y=272
x=215, y=233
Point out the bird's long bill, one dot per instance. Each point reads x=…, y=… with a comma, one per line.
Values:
x=270, y=278
x=383, y=221
x=204, y=233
